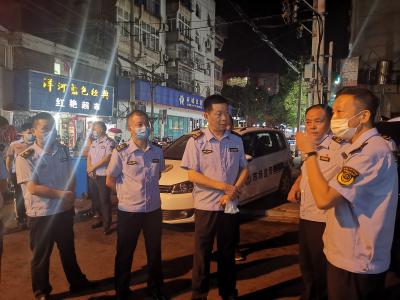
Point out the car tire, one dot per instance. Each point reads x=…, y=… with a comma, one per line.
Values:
x=285, y=182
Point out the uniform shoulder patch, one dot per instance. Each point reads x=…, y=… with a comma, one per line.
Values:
x=337, y=139
x=27, y=153
x=347, y=176
x=197, y=134
x=122, y=147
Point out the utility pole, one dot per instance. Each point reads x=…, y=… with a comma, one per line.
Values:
x=317, y=49
x=328, y=93
x=153, y=85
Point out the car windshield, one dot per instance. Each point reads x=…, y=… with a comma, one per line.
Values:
x=176, y=149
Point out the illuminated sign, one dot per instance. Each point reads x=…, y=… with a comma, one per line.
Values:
x=167, y=96
x=61, y=94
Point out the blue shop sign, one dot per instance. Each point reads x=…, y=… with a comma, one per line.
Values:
x=167, y=96
x=56, y=93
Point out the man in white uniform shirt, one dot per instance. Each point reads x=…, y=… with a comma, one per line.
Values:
x=360, y=200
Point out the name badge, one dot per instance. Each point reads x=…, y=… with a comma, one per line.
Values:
x=206, y=151
x=324, y=158
x=155, y=160
x=233, y=149
x=132, y=162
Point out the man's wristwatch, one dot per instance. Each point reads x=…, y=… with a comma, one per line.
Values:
x=309, y=154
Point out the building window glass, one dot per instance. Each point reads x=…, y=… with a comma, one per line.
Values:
x=123, y=18
x=150, y=36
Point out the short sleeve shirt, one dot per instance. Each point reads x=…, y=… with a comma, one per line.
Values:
x=359, y=230
x=330, y=162
x=98, y=150
x=48, y=169
x=15, y=149
x=219, y=160
x=137, y=174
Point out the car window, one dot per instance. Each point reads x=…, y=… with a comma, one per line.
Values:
x=282, y=140
x=279, y=141
x=248, y=143
x=175, y=150
x=262, y=144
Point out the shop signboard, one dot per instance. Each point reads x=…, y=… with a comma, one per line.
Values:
x=48, y=92
x=167, y=96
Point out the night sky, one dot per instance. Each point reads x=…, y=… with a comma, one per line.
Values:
x=244, y=51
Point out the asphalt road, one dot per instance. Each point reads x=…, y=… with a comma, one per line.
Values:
x=270, y=270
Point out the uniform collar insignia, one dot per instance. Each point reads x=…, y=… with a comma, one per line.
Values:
x=131, y=162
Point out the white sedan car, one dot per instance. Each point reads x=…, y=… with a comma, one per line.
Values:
x=270, y=167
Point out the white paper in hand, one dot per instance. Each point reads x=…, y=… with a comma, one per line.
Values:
x=231, y=207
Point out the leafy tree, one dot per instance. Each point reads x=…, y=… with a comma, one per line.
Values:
x=248, y=102
x=287, y=98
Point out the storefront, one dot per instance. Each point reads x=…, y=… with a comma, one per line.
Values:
x=75, y=104
x=176, y=112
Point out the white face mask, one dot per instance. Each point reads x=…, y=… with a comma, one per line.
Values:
x=341, y=129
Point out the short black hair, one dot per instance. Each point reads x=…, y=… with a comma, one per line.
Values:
x=101, y=124
x=363, y=96
x=42, y=116
x=213, y=99
x=324, y=107
x=26, y=126
x=137, y=113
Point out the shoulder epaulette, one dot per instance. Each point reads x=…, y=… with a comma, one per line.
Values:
x=27, y=153
x=235, y=133
x=386, y=137
x=359, y=148
x=122, y=147
x=337, y=139
x=197, y=134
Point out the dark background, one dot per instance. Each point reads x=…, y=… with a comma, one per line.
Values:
x=244, y=51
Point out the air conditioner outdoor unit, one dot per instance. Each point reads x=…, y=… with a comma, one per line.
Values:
x=165, y=76
x=166, y=57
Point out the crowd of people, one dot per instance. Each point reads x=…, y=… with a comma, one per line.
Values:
x=347, y=190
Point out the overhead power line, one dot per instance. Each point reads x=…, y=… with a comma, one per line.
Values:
x=263, y=36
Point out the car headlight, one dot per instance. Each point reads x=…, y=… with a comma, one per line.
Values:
x=182, y=187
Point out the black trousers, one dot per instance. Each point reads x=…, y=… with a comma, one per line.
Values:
x=209, y=224
x=343, y=284
x=128, y=229
x=312, y=259
x=44, y=232
x=19, y=200
x=102, y=199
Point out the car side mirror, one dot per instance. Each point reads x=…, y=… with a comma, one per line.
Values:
x=249, y=157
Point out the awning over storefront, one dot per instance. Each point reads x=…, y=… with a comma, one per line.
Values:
x=167, y=96
x=48, y=92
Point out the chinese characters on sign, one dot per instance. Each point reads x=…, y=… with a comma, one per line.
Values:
x=56, y=93
x=190, y=102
